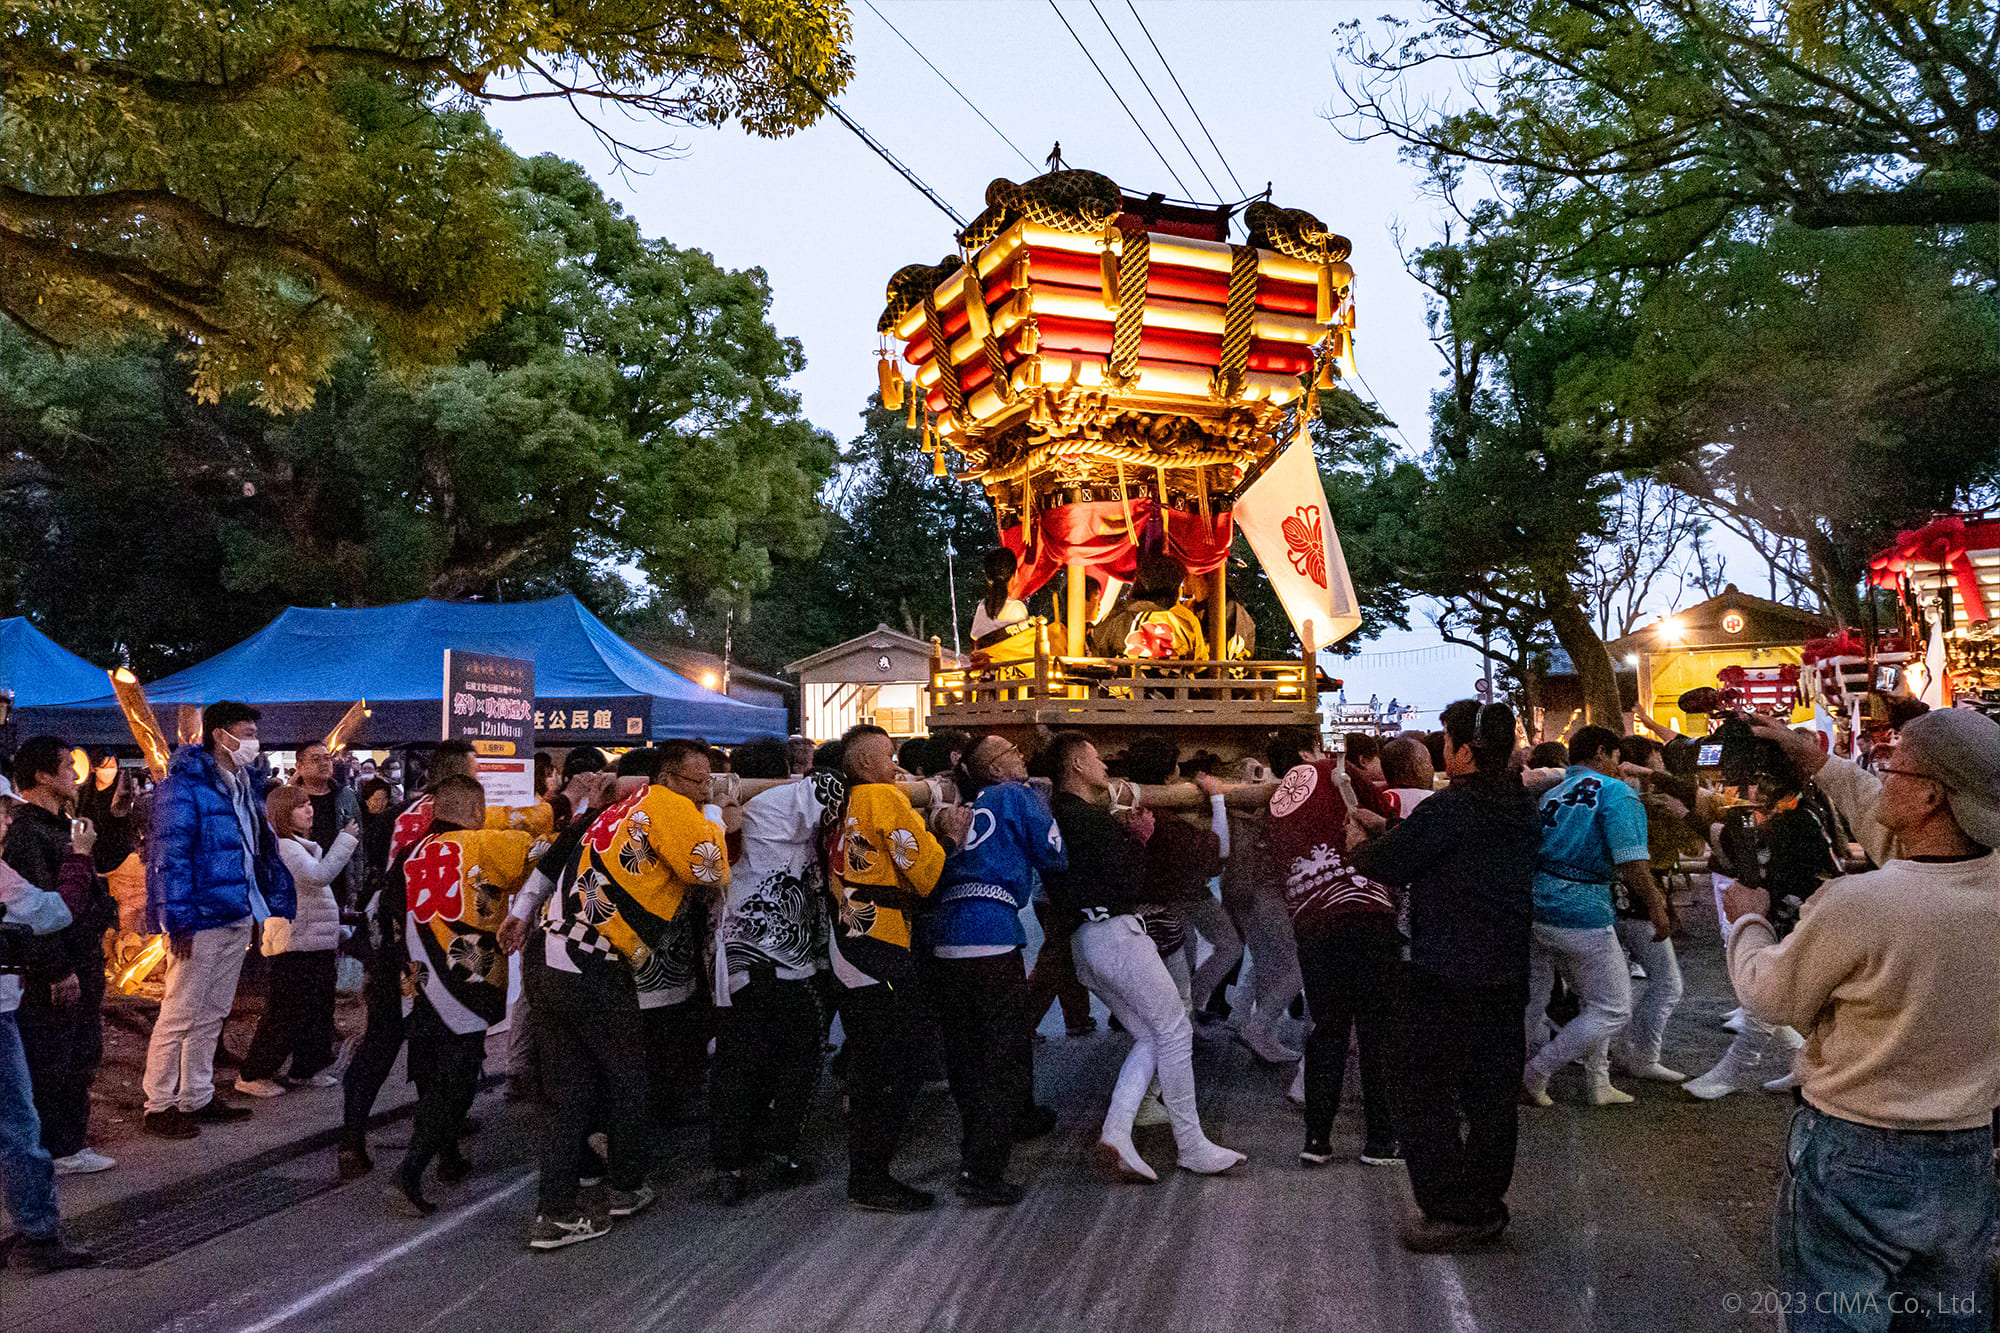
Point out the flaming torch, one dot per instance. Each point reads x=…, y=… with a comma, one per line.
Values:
x=350, y=722
x=139, y=716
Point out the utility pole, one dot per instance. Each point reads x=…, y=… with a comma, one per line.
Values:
x=951, y=583
x=728, y=632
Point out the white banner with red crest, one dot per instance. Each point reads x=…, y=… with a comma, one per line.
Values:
x=1284, y=515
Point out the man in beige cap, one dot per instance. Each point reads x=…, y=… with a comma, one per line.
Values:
x=1888, y=1200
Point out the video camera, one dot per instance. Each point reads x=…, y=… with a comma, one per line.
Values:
x=1739, y=754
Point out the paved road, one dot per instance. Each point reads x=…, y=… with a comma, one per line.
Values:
x=1635, y=1218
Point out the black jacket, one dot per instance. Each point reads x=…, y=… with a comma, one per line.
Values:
x=1468, y=857
x=1107, y=865
x=36, y=847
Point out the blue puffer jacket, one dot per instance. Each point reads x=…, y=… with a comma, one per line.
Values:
x=194, y=861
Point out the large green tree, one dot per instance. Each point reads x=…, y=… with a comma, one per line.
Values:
x=260, y=179
x=1650, y=125
x=629, y=415
x=1830, y=387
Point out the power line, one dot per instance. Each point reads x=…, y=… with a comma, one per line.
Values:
x=1213, y=187
x=1121, y=100
x=954, y=87
x=1184, y=97
x=916, y=181
x=1393, y=425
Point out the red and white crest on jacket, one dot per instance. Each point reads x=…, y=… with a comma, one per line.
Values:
x=1155, y=640
x=1305, y=543
x=604, y=831
x=433, y=875
x=410, y=826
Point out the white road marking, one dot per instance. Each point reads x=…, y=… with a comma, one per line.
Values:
x=450, y=1223
x=1455, y=1299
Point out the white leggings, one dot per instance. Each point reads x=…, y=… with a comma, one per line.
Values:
x=1116, y=959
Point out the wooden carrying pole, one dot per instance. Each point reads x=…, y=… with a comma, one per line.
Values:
x=1218, y=615
x=1309, y=651
x=1073, y=609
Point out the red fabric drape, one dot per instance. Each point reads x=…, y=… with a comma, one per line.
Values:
x=1094, y=532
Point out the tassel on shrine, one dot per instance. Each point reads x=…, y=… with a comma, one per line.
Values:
x=916, y=408
x=892, y=384
x=1107, y=266
x=1329, y=367
x=975, y=305
x=938, y=468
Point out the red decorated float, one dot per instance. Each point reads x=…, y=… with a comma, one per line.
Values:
x=1946, y=576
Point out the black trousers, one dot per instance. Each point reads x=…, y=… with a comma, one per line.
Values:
x=590, y=1048
x=767, y=1059
x=1462, y=1051
x=445, y=1067
x=982, y=1007
x=376, y=1055
x=298, y=1017
x=676, y=1037
x=1054, y=977
x=887, y=1027
x=1349, y=969
x=64, y=1046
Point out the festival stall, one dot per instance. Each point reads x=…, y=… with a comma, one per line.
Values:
x=1119, y=376
x=1946, y=577
x=311, y=669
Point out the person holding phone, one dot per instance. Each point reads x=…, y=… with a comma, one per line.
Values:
x=61, y=1020
x=298, y=1017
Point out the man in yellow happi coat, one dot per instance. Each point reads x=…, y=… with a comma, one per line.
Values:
x=452, y=890
x=885, y=863
x=614, y=905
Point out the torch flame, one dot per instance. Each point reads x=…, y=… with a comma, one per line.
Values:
x=139, y=716
x=143, y=965
x=350, y=722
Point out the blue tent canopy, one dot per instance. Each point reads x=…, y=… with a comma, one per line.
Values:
x=37, y=670
x=306, y=667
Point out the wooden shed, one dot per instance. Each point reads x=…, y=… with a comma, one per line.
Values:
x=880, y=677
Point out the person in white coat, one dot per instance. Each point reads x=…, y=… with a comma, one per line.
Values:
x=304, y=953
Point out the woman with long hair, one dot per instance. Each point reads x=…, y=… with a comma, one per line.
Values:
x=1467, y=857
x=1098, y=899
x=998, y=612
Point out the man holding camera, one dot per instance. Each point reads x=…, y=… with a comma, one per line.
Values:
x=1888, y=1199
x=27, y=1174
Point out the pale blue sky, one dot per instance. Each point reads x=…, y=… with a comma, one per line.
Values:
x=829, y=221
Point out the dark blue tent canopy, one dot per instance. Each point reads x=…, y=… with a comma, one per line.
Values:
x=306, y=667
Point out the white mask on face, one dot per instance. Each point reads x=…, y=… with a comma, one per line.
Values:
x=244, y=751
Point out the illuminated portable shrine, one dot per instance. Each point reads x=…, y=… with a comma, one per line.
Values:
x=1118, y=375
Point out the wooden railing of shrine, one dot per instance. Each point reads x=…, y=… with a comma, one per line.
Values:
x=1059, y=690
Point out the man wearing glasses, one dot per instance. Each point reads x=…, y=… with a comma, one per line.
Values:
x=1888, y=1200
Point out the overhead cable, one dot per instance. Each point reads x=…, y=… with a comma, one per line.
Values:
x=916, y=181
x=1184, y=97
x=1121, y=100
x=1213, y=187
x=954, y=87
